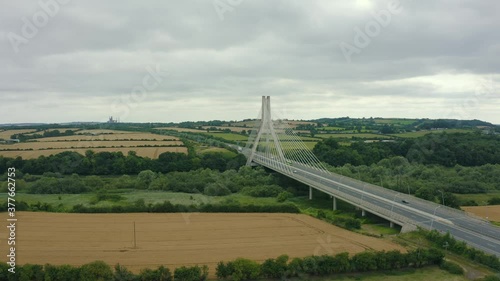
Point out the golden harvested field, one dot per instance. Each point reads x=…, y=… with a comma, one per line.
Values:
x=62, y=130
x=151, y=152
x=233, y=129
x=492, y=211
x=85, y=144
x=177, y=239
x=6, y=134
x=120, y=136
x=181, y=129
x=102, y=131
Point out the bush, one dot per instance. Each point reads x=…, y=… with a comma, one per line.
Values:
x=214, y=189
x=96, y=271
x=283, y=196
x=494, y=201
x=262, y=190
x=193, y=273
x=160, y=274
x=452, y=268
x=244, y=269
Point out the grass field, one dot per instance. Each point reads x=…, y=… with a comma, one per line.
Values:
x=228, y=136
x=400, y=121
x=479, y=198
x=350, y=136
x=423, y=133
x=130, y=196
x=329, y=128
x=224, y=151
x=421, y=274
x=178, y=239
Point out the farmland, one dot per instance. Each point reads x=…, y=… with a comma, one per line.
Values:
x=425, y=132
x=6, y=134
x=144, y=144
x=179, y=239
x=151, y=152
x=491, y=212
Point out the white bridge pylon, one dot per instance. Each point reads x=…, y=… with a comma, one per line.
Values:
x=278, y=145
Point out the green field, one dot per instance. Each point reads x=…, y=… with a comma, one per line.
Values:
x=205, y=149
x=421, y=274
x=350, y=136
x=330, y=128
x=67, y=201
x=228, y=136
x=480, y=198
x=400, y=121
x=423, y=133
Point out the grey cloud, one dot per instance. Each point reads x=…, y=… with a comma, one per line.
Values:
x=98, y=52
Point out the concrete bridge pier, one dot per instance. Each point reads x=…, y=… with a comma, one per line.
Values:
x=334, y=203
x=391, y=224
x=363, y=212
x=310, y=193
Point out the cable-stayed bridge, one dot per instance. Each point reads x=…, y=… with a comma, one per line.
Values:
x=275, y=145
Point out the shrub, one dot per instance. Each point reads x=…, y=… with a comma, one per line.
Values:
x=283, y=196
x=452, y=268
x=193, y=273
x=244, y=269
x=96, y=271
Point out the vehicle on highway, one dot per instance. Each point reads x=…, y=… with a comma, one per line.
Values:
x=404, y=201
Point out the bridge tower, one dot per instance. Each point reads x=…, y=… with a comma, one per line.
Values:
x=265, y=129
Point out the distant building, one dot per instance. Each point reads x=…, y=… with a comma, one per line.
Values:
x=111, y=120
x=11, y=141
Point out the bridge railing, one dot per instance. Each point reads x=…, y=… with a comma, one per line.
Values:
x=357, y=201
x=457, y=212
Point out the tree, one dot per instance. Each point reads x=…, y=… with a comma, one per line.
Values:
x=123, y=274
x=160, y=274
x=145, y=178
x=96, y=271
x=29, y=272
x=245, y=269
x=194, y=273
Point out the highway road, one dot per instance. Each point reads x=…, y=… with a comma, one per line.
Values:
x=389, y=205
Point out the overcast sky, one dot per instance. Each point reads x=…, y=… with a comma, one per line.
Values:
x=163, y=61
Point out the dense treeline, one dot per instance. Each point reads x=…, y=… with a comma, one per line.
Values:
x=167, y=207
x=115, y=163
x=469, y=149
x=237, y=270
x=430, y=182
x=254, y=182
x=461, y=248
x=99, y=270
x=395, y=126
x=139, y=206
x=325, y=265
